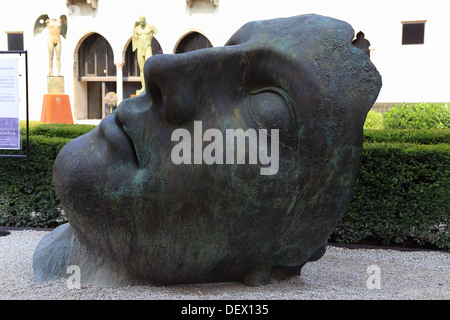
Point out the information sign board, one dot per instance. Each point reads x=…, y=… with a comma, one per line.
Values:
x=9, y=104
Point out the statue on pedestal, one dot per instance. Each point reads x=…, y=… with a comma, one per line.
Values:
x=56, y=105
x=142, y=42
x=56, y=29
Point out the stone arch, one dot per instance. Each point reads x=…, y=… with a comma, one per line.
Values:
x=193, y=40
x=94, y=75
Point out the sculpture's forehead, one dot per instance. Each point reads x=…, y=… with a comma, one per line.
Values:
x=304, y=29
x=296, y=43
x=288, y=50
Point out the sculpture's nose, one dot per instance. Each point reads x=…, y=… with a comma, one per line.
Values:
x=181, y=84
x=173, y=83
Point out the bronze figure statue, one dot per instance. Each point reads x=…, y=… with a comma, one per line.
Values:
x=142, y=43
x=56, y=29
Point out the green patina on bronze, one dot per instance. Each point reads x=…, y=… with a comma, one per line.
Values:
x=137, y=218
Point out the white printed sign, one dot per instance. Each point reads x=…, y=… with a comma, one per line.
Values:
x=9, y=104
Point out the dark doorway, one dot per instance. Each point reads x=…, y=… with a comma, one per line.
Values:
x=94, y=100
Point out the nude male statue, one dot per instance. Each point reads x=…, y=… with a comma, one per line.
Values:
x=56, y=29
x=142, y=42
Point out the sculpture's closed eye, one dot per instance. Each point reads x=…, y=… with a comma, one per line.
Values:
x=271, y=108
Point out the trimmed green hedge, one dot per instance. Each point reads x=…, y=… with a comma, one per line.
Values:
x=27, y=195
x=432, y=136
x=374, y=120
x=401, y=197
x=417, y=116
x=411, y=116
x=69, y=131
x=401, y=194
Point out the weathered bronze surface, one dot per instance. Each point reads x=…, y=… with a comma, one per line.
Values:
x=138, y=218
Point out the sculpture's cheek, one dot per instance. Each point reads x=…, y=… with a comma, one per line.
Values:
x=92, y=181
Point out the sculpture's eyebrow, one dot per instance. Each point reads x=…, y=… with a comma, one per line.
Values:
x=268, y=65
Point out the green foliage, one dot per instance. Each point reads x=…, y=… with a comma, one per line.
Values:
x=401, y=197
x=374, y=120
x=27, y=195
x=417, y=116
x=431, y=136
x=69, y=131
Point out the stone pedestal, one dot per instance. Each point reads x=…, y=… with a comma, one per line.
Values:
x=56, y=105
x=56, y=109
x=55, y=84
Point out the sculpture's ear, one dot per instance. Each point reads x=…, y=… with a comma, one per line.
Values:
x=40, y=24
x=63, y=19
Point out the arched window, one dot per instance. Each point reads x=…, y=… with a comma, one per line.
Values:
x=96, y=58
x=193, y=41
x=131, y=67
x=97, y=76
x=131, y=72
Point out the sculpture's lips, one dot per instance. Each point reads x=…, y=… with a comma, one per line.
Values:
x=117, y=138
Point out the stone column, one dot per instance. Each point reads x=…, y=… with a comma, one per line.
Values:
x=119, y=81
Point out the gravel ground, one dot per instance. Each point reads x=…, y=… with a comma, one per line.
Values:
x=341, y=274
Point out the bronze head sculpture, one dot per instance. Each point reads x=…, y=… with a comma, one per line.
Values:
x=136, y=216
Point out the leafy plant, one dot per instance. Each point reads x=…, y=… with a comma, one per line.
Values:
x=111, y=100
x=374, y=120
x=417, y=116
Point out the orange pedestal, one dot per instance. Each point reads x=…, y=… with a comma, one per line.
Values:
x=56, y=109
